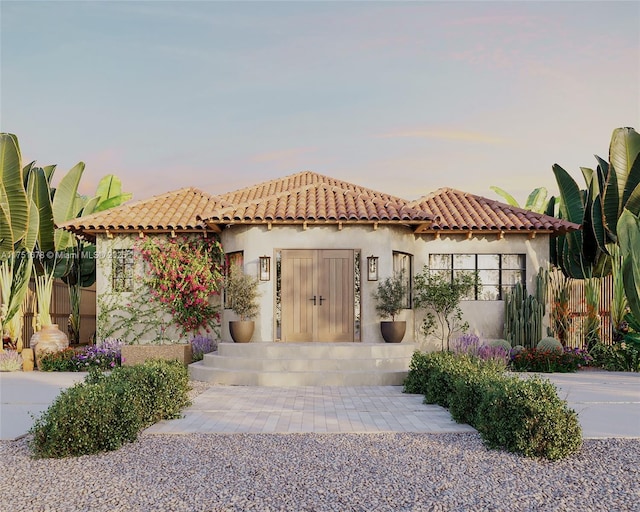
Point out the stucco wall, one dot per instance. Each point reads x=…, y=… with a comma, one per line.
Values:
x=157, y=328
x=486, y=318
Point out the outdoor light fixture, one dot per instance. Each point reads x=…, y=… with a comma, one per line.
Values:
x=372, y=268
x=265, y=268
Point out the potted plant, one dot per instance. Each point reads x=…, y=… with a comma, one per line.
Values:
x=390, y=299
x=242, y=293
x=48, y=338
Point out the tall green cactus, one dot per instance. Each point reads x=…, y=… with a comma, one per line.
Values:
x=524, y=313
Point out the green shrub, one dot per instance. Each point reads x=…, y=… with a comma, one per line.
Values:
x=468, y=390
x=419, y=369
x=545, y=361
x=523, y=416
x=60, y=361
x=622, y=356
x=528, y=417
x=549, y=344
x=431, y=374
x=106, y=411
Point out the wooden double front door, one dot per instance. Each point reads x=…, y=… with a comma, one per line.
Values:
x=317, y=295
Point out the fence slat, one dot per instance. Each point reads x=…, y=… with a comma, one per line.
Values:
x=578, y=311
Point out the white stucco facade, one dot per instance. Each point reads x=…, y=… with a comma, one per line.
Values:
x=486, y=318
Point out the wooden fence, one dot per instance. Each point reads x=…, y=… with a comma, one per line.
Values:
x=578, y=311
x=60, y=310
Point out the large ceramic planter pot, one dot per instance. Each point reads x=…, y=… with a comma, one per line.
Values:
x=241, y=330
x=47, y=340
x=393, y=332
x=138, y=354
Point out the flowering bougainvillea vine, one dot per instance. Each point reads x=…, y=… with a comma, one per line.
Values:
x=184, y=273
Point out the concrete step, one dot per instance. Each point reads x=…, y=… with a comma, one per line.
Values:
x=198, y=371
x=315, y=350
x=305, y=364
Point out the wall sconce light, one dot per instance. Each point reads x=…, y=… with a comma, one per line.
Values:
x=265, y=268
x=372, y=268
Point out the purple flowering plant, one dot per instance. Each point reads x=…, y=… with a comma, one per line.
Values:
x=102, y=357
x=201, y=345
x=471, y=345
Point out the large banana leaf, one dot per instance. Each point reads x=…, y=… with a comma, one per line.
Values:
x=112, y=202
x=598, y=225
x=22, y=268
x=587, y=173
x=506, y=196
x=602, y=172
x=109, y=186
x=90, y=206
x=623, y=151
x=629, y=240
x=632, y=181
x=633, y=203
x=41, y=196
x=49, y=171
x=11, y=180
x=537, y=200
x=6, y=238
x=33, y=226
x=26, y=170
x=64, y=206
x=610, y=202
x=572, y=206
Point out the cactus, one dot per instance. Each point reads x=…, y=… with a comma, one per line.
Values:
x=524, y=313
x=501, y=343
x=549, y=344
x=516, y=350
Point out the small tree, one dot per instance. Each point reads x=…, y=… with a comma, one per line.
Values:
x=242, y=290
x=441, y=298
x=390, y=296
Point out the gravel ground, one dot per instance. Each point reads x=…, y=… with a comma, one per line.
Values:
x=320, y=472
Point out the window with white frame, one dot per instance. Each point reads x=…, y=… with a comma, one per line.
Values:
x=497, y=273
x=402, y=264
x=122, y=270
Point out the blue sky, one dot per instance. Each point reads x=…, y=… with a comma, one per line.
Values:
x=401, y=97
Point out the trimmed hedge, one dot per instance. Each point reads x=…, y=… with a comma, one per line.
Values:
x=106, y=411
x=524, y=416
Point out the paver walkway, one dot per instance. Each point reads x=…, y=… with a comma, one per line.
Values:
x=225, y=409
x=608, y=405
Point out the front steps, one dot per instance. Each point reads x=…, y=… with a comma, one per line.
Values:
x=305, y=364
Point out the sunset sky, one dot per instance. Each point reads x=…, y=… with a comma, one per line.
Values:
x=400, y=97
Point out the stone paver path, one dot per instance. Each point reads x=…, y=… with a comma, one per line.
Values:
x=228, y=409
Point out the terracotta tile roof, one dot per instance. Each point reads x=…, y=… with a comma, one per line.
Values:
x=175, y=210
x=455, y=210
x=314, y=198
x=310, y=197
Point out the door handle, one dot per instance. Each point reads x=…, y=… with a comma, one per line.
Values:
x=314, y=300
x=321, y=299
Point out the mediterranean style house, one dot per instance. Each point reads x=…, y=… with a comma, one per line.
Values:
x=320, y=246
